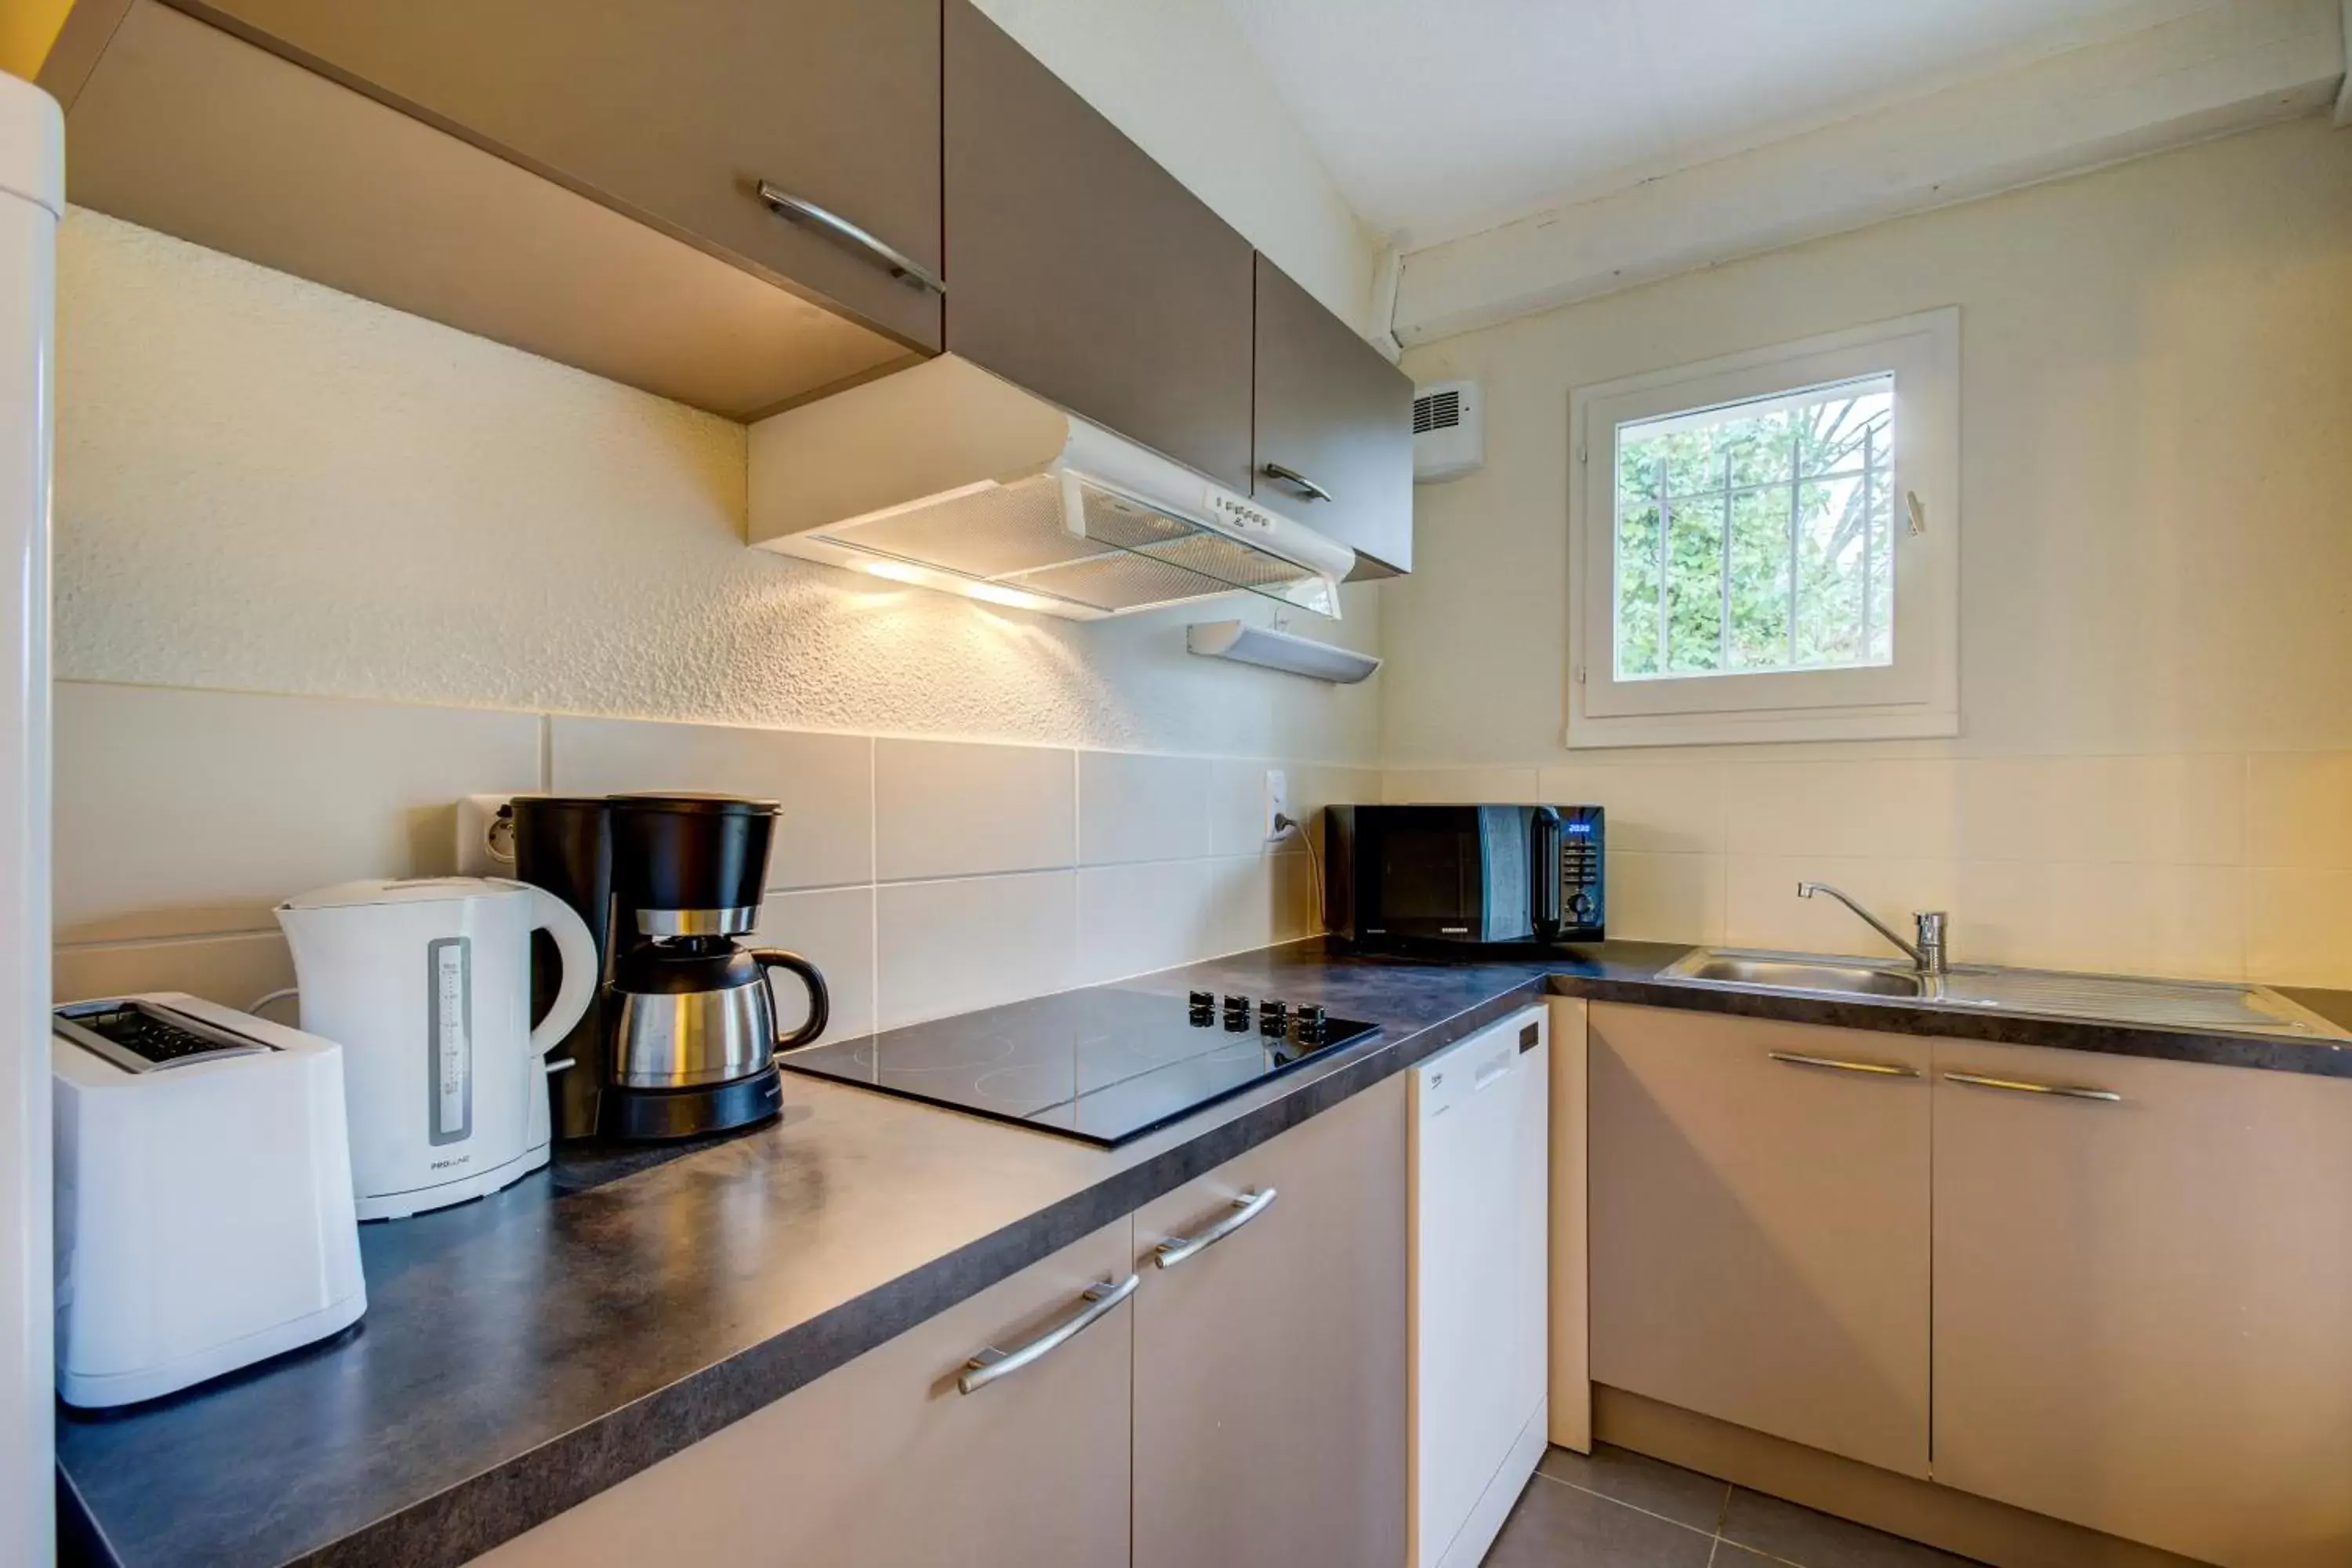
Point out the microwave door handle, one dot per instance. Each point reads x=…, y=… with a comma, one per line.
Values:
x=1543, y=869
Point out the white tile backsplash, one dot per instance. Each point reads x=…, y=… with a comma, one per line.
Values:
x=230, y=970
x=1138, y=918
x=2299, y=926
x=832, y=928
x=1135, y=808
x=950, y=947
x=2204, y=865
x=922, y=877
x=824, y=784
x=185, y=813
x=1657, y=809
x=1664, y=898
x=1876, y=808
x=949, y=808
x=1461, y=786
x=2299, y=809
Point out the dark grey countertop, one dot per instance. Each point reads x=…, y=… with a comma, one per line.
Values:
x=521, y=1353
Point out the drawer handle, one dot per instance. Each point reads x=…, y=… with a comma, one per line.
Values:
x=904, y=267
x=1875, y=1070
x=1297, y=481
x=2018, y=1086
x=992, y=1363
x=1246, y=1208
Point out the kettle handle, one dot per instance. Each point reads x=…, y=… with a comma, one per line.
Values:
x=578, y=951
x=820, y=1001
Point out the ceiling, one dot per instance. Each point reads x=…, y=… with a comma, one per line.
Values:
x=1437, y=117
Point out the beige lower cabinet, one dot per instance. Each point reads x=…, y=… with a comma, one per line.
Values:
x=883, y=1463
x=2143, y=1304
x=1270, y=1386
x=1759, y=1224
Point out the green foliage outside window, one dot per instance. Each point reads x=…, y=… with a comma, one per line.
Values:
x=1777, y=552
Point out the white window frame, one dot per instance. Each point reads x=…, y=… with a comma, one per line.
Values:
x=1919, y=693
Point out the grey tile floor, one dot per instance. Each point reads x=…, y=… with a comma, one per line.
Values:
x=1622, y=1510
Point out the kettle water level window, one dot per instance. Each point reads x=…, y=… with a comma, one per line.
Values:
x=1766, y=545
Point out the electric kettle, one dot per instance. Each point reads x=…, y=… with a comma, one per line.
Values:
x=427, y=986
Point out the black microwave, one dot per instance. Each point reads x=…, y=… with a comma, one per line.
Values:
x=1401, y=877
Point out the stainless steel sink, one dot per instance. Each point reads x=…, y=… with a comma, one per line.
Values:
x=1798, y=972
x=2104, y=998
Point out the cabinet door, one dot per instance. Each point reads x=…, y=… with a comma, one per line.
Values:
x=675, y=110
x=1082, y=270
x=1334, y=427
x=883, y=1463
x=1270, y=1420
x=2144, y=1305
x=1759, y=1226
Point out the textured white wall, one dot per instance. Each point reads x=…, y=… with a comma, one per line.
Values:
x=2157, y=391
x=264, y=485
x=2155, y=770
x=1180, y=78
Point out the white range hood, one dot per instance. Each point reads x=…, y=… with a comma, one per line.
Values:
x=948, y=477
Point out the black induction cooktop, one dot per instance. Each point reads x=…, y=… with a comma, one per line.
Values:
x=1102, y=1064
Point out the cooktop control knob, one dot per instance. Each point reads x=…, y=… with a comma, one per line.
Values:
x=1203, y=1007
x=1311, y=1024
x=1273, y=1018
x=1237, y=1012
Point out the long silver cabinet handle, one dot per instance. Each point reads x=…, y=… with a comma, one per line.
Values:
x=1297, y=481
x=902, y=266
x=1246, y=1207
x=992, y=1363
x=2018, y=1086
x=1876, y=1069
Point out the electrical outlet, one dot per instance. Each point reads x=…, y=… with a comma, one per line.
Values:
x=485, y=843
x=1278, y=801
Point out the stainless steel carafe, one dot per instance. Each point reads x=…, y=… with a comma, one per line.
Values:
x=694, y=1036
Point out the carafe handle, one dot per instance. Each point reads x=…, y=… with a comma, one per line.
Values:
x=577, y=950
x=820, y=1002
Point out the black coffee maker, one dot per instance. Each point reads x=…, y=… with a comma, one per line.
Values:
x=685, y=1039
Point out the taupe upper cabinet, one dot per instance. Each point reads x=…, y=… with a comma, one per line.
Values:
x=1759, y=1226
x=678, y=111
x=537, y=188
x=1334, y=427
x=1270, y=1373
x=1081, y=269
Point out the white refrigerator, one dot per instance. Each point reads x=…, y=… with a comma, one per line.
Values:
x=32, y=199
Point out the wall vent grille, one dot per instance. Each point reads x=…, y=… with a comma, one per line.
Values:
x=1437, y=411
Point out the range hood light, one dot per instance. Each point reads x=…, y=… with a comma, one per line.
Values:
x=949, y=581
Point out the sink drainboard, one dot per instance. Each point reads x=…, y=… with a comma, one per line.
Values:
x=2169, y=1004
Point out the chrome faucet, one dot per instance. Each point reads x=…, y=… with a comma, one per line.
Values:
x=1927, y=954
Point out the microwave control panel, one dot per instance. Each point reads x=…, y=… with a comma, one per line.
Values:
x=1582, y=913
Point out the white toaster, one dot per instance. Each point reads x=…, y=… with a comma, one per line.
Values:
x=204, y=1194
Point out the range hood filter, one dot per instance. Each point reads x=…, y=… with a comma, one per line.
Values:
x=990, y=493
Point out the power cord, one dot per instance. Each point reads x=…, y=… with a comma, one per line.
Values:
x=1285, y=827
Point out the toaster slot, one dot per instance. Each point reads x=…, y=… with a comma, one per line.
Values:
x=141, y=1036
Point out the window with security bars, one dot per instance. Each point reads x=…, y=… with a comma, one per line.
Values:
x=1757, y=536
x=1765, y=546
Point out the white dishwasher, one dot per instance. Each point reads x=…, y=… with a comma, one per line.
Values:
x=1481, y=1179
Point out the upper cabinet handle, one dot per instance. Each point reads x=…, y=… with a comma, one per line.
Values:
x=1246, y=1208
x=1098, y=1302
x=1297, y=481
x=2018, y=1086
x=904, y=267
x=1876, y=1069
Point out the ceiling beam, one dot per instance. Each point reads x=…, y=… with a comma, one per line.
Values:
x=2229, y=66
